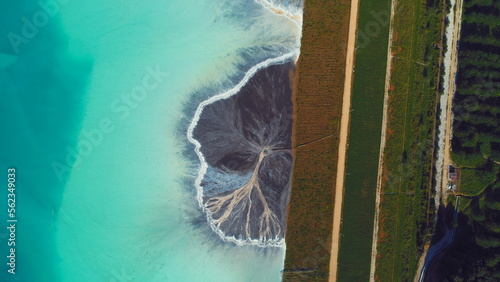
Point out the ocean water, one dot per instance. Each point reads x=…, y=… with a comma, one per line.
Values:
x=96, y=98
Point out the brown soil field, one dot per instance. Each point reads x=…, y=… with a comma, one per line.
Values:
x=318, y=91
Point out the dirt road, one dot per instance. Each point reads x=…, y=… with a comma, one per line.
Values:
x=344, y=132
x=382, y=146
x=447, y=161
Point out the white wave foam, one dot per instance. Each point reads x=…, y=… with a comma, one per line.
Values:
x=292, y=12
x=276, y=242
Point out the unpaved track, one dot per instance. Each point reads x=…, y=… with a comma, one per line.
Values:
x=382, y=146
x=344, y=132
x=447, y=161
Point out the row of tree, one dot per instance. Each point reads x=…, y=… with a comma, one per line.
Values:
x=477, y=101
x=475, y=254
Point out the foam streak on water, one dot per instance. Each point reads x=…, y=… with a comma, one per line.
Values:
x=290, y=9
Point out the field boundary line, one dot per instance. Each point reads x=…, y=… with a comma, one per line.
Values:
x=382, y=146
x=344, y=132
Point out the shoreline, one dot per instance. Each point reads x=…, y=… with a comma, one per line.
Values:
x=291, y=56
x=343, y=143
x=294, y=110
x=294, y=16
x=278, y=242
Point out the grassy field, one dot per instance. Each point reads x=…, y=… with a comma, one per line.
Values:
x=317, y=105
x=364, y=141
x=406, y=207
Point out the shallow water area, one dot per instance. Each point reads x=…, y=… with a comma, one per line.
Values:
x=129, y=206
x=100, y=95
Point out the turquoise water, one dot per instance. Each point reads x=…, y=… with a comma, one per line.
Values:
x=94, y=103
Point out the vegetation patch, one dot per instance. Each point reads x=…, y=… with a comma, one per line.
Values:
x=317, y=99
x=475, y=254
x=364, y=141
x=407, y=209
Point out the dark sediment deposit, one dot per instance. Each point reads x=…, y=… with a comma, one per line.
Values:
x=246, y=140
